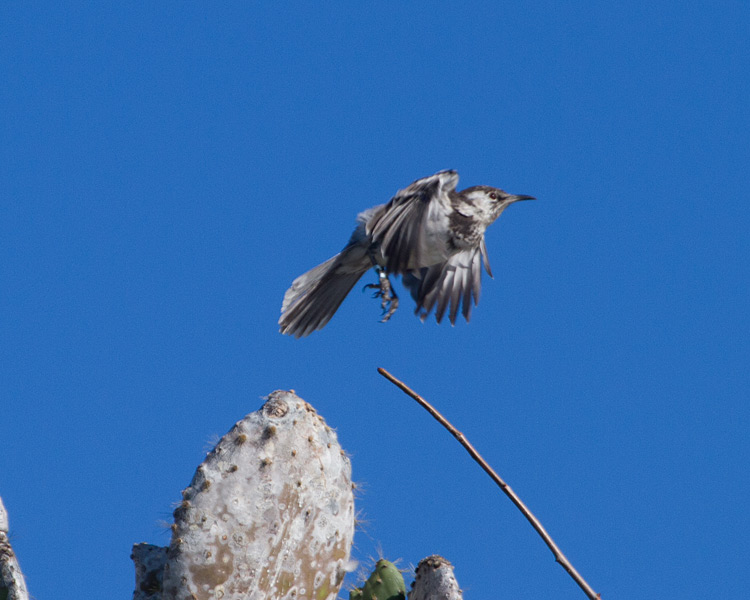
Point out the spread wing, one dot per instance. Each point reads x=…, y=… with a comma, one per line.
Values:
x=403, y=227
x=452, y=284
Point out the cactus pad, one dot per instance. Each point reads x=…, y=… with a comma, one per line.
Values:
x=385, y=583
x=269, y=513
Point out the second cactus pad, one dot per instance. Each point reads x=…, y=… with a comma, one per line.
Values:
x=385, y=583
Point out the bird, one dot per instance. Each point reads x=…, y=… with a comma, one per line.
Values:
x=428, y=233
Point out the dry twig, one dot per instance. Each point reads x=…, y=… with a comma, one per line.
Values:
x=559, y=556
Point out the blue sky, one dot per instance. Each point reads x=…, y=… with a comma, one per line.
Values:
x=169, y=168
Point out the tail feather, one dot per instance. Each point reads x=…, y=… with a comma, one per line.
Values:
x=315, y=296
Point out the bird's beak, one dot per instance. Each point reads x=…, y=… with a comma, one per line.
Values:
x=521, y=197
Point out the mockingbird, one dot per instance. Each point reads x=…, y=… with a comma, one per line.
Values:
x=430, y=234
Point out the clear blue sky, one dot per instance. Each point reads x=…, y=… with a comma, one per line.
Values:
x=167, y=169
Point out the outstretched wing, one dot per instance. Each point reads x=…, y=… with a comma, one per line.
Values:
x=452, y=284
x=404, y=227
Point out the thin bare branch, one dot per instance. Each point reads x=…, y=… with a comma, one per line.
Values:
x=559, y=556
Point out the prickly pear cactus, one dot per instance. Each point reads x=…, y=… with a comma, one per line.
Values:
x=269, y=514
x=385, y=583
x=434, y=580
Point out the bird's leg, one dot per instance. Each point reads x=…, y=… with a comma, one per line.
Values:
x=388, y=298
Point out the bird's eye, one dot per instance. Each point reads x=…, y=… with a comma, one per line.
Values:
x=493, y=195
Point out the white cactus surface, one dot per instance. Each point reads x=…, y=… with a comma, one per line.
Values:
x=269, y=513
x=434, y=580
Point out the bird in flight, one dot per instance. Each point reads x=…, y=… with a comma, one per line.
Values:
x=430, y=234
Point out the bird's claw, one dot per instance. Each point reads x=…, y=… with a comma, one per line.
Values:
x=374, y=286
x=392, y=305
x=388, y=298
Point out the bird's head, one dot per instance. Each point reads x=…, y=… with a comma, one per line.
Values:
x=488, y=202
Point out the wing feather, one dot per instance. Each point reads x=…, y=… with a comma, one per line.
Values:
x=459, y=283
x=485, y=258
x=476, y=284
x=400, y=227
x=446, y=284
x=452, y=284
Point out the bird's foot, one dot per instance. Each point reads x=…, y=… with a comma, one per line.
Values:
x=388, y=298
